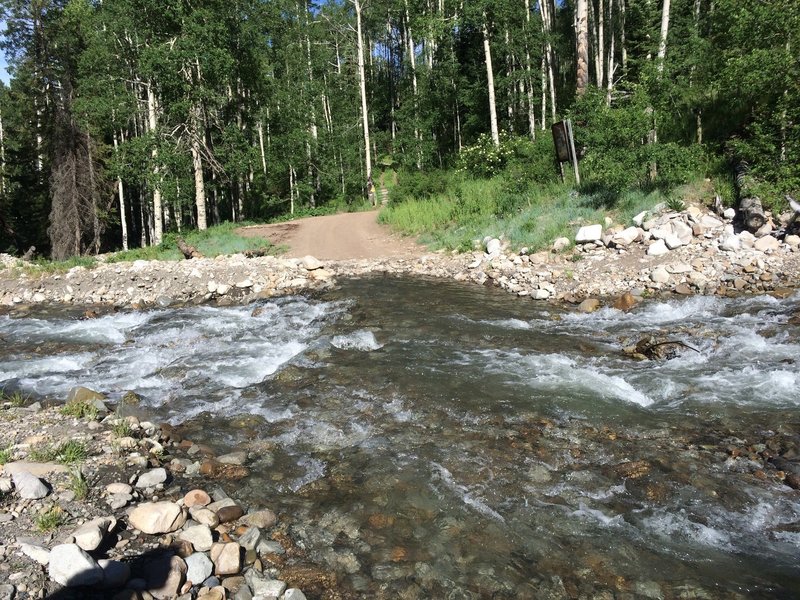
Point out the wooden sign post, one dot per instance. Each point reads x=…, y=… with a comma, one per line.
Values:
x=564, y=141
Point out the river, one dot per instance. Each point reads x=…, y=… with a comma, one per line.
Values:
x=439, y=440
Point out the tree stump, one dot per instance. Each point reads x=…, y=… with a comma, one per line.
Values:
x=751, y=210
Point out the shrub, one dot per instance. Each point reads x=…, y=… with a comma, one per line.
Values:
x=50, y=519
x=80, y=409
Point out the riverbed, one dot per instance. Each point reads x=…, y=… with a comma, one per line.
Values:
x=445, y=440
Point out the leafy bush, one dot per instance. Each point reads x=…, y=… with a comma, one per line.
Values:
x=418, y=185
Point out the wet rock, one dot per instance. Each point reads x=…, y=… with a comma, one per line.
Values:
x=589, y=305
x=157, y=517
x=233, y=458
x=263, y=519
x=29, y=487
x=251, y=539
x=71, y=566
x=82, y=394
x=151, y=478
x=165, y=575
x=632, y=470
x=227, y=558
x=227, y=514
x=625, y=302
x=659, y=349
x=198, y=568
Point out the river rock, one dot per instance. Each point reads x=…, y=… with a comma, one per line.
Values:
x=227, y=558
x=589, y=233
x=115, y=573
x=39, y=553
x=204, y=516
x=311, y=263
x=157, y=517
x=151, y=478
x=198, y=568
x=560, y=244
x=233, y=458
x=196, y=498
x=294, y=594
x=767, y=244
x=90, y=535
x=625, y=302
x=35, y=469
x=226, y=514
x=657, y=248
x=793, y=240
x=119, y=488
x=263, y=519
x=626, y=237
x=589, y=305
x=639, y=219
x=659, y=275
x=199, y=537
x=71, y=566
x=29, y=487
x=83, y=394
x=730, y=243
x=271, y=589
x=251, y=539
x=165, y=575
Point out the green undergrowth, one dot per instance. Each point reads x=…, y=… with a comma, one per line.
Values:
x=69, y=452
x=470, y=209
x=215, y=241
x=44, y=266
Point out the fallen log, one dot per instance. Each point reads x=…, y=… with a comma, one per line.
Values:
x=187, y=250
x=257, y=253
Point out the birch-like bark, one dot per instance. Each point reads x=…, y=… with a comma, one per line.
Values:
x=487, y=50
x=662, y=44
x=547, y=24
x=362, y=81
x=413, y=63
x=260, y=129
x=624, y=47
x=611, y=65
x=582, y=39
x=2, y=156
x=158, y=231
x=600, y=42
x=199, y=180
x=529, y=75
x=121, y=191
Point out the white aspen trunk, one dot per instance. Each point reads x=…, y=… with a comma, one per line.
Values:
x=600, y=42
x=611, y=66
x=291, y=189
x=582, y=38
x=260, y=129
x=662, y=44
x=547, y=25
x=784, y=113
x=158, y=231
x=544, y=92
x=362, y=80
x=487, y=51
x=2, y=156
x=413, y=62
x=199, y=183
x=121, y=191
x=624, y=47
x=529, y=75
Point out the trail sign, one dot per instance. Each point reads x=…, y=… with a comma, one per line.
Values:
x=564, y=143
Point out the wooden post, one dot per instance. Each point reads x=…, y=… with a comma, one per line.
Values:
x=573, y=154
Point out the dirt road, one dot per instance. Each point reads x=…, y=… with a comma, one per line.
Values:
x=337, y=237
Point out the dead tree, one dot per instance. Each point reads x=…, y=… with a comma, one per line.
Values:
x=187, y=250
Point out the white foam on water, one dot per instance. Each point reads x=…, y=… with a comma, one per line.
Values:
x=314, y=470
x=592, y=514
x=508, y=323
x=677, y=526
x=440, y=473
x=108, y=329
x=363, y=340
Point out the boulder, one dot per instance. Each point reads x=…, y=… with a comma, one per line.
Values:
x=659, y=275
x=625, y=302
x=157, y=517
x=682, y=231
x=626, y=237
x=165, y=575
x=657, y=248
x=115, y=573
x=198, y=568
x=767, y=244
x=589, y=233
x=730, y=243
x=493, y=246
x=71, y=566
x=639, y=219
x=199, y=536
x=39, y=553
x=151, y=478
x=227, y=558
x=251, y=539
x=29, y=486
x=90, y=535
x=672, y=241
x=84, y=394
x=204, y=516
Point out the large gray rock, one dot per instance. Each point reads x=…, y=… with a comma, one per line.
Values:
x=657, y=248
x=71, y=566
x=493, y=246
x=198, y=568
x=165, y=576
x=151, y=478
x=91, y=534
x=589, y=233
x=199, y=536
x=115, y=573
x=293, y=594
x=251, y=539
x=157, y=517
x=7, y=591
x=29, y=486
x=626, y=237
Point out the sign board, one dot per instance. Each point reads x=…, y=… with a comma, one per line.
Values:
x=561, y=141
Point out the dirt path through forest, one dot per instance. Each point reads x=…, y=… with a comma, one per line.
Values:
x=337, y=237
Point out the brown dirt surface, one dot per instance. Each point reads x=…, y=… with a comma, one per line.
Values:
x=343, y=236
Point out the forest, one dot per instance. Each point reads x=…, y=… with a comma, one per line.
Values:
x=125, y=120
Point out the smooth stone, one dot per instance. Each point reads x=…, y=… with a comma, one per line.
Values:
x=199, y=537
x=589, y=233
x=589, y=305
x=270, y=547
x=227, y=558
x=294, y=594
x=151, y=478
x=263, y=519
x=251, y=539
x=165, y=576
x=196, y=498
x=493, y=246
x=157, y=517
x=311, y=263
x=626, y=237
x=29, y=486
x=90, y=535
x=198, y=568
x=119, y=488
x=71, y=566
x=271, y=590
x=84, y=394
x=39, y=553
x=233, y=458
x=793, y=240
x=766, y=244
x=729, y=213
x=226, y=514
x=560, y=244
x=115, y=573
x=658, y=248
x=730, y=243
x=659, y=275
x=222, y=503
x=204, y=516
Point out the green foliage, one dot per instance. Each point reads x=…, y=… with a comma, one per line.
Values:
x=121, y=428
x=78, y=484
x=15, y=399
x=80, y=409
x=50, y=519
x=42, y=265
x=43, y=453
x=68, y=452
x=6, y=455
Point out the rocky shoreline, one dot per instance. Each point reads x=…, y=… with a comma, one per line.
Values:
x=130, y=510
x=685, y=253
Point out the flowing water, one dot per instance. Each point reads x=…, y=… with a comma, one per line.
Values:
x=437, y=440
